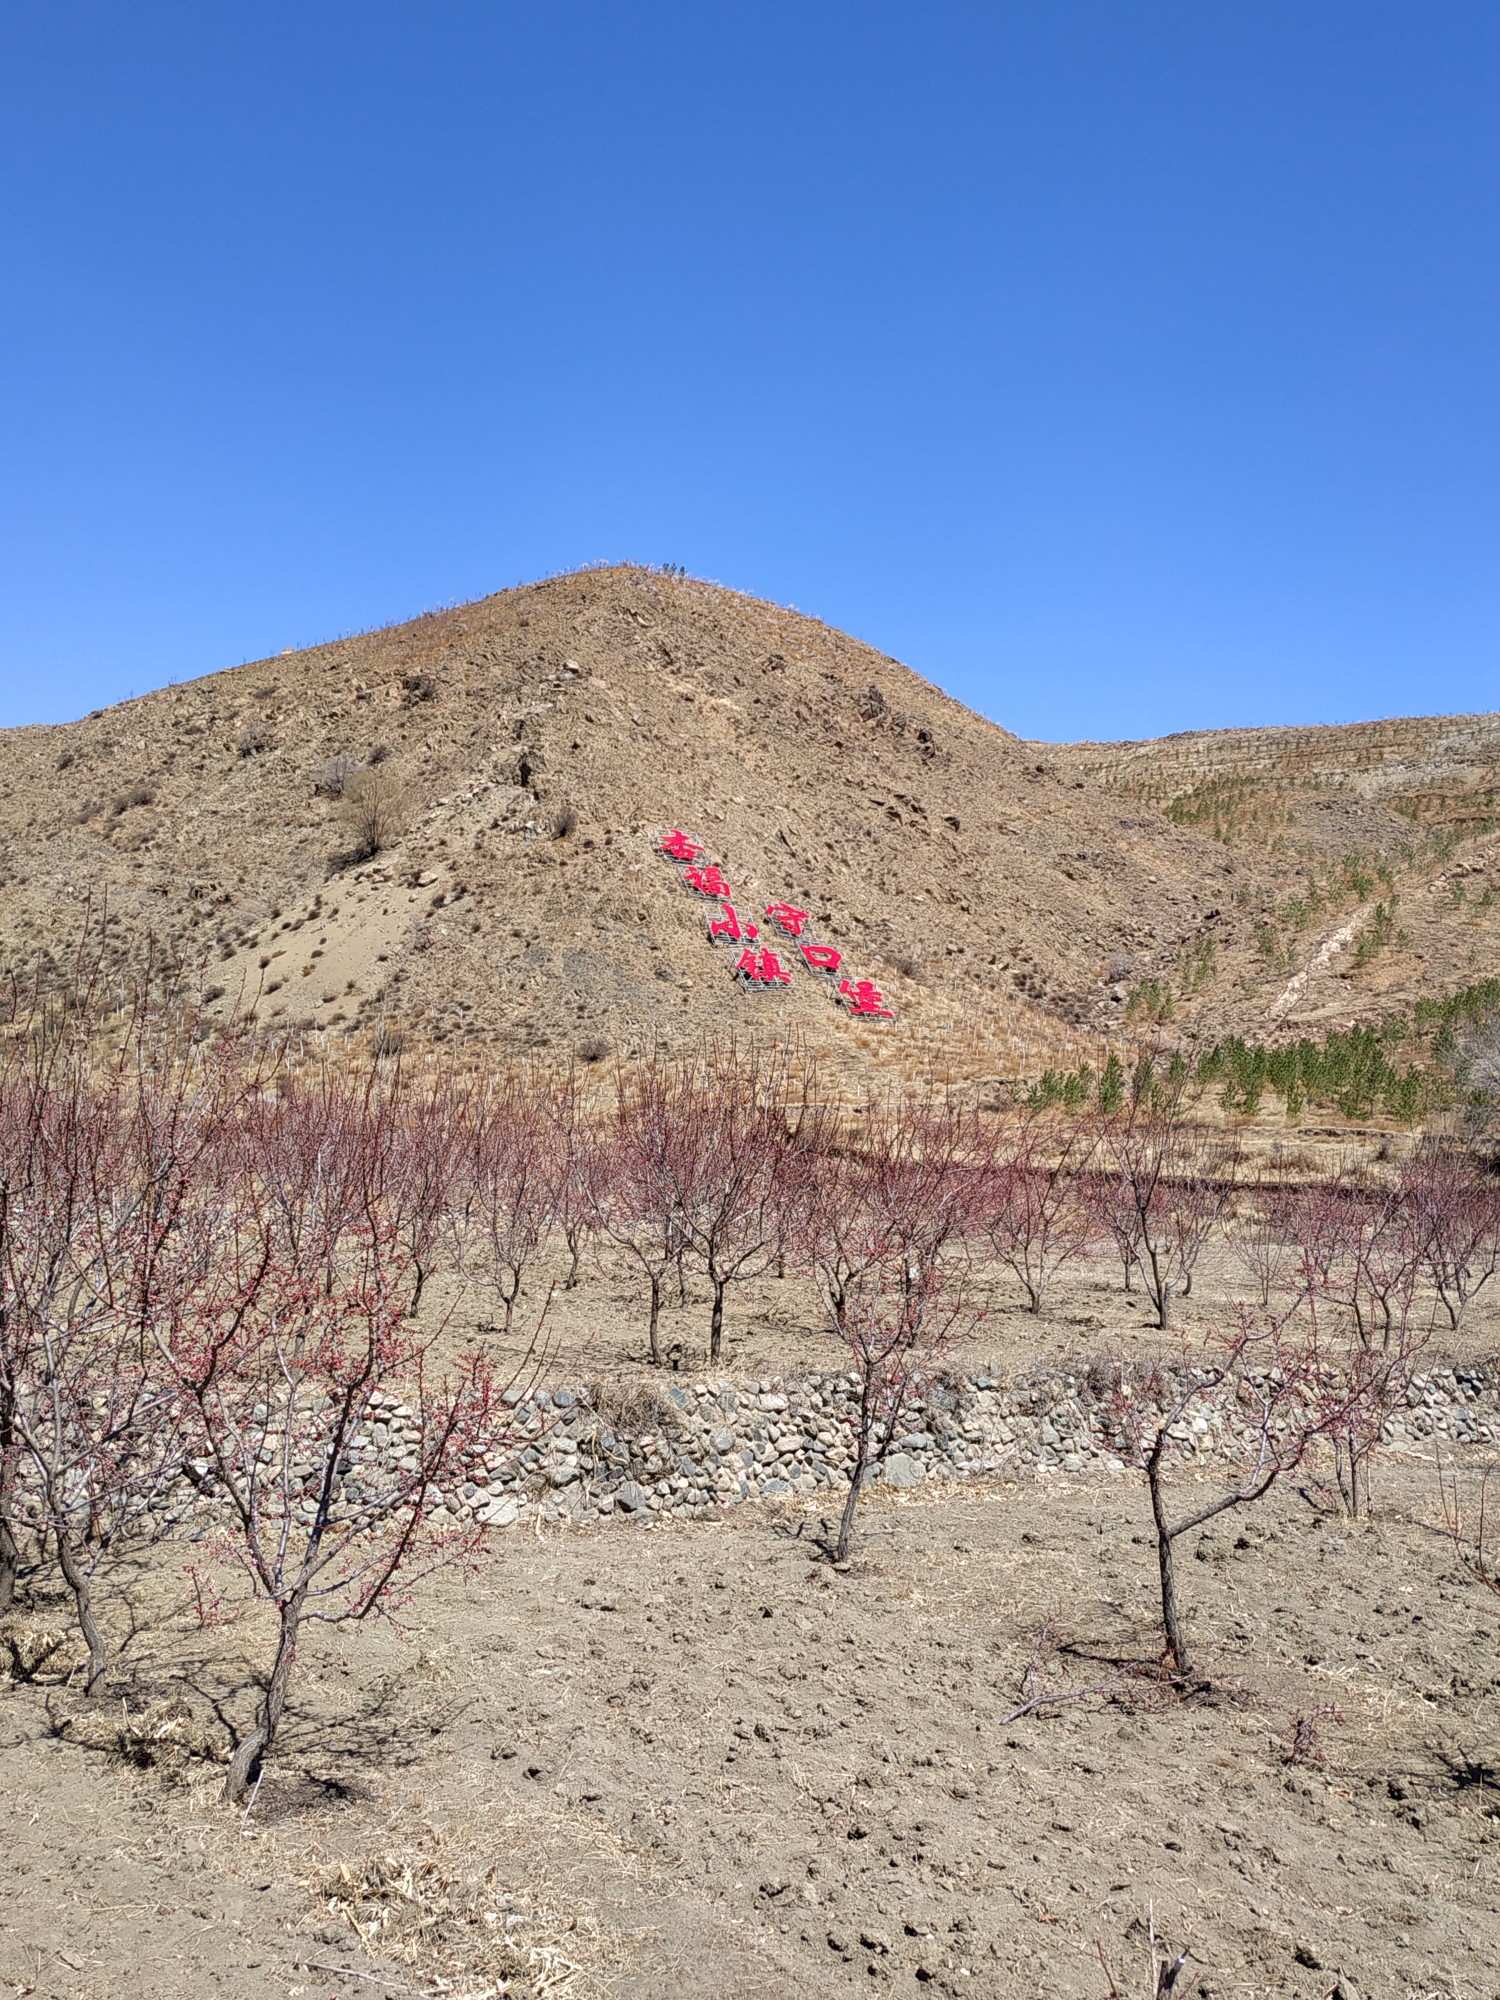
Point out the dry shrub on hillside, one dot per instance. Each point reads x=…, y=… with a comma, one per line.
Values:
x=374, y=811
x=331, y=780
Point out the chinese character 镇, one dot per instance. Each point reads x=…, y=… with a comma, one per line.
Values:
x=727, y=925
x=707, y=881
x=787, y=918
x=679, y=847
x=861, y=996
x=822, y=957
x=762, y=968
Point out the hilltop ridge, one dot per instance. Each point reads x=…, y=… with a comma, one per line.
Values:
x=1013, y=900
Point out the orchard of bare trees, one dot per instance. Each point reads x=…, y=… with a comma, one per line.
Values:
x=217, y=1258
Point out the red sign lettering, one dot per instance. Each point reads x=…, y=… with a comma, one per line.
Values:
x=787, y=918
x=762, y=968
x=707, y=881
x=679, y=847
x=821, y=957
x=861, y=996
x=727, y=925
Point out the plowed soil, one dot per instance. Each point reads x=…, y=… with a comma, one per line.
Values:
x=697, y=1761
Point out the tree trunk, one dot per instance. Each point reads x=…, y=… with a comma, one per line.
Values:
x=575, y=1246
x=1171, y=1615
x=856, y=1486
x=716, y=1321
x=1160, y=1290
x=10, y=1559
x=10, y=1554
x=250, y=1755
x=75, y=1577
x=1352, y=1471
x=652, y=1330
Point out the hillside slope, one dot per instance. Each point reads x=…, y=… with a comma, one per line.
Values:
x=1011, y=900
x=1374, y=852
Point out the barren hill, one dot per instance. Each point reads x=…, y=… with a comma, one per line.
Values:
x=1013, y=902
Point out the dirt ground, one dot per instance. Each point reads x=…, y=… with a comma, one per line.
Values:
x=695, y=1761
x=775, y=1326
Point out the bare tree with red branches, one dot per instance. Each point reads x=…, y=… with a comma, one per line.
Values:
x=101, y=1135
x=1271, y=1386
x=1360, y=1255
x=1032, y=1205
x=1383, y=1250
x=426, y=1137
x=504, y=1190
x=575, y=1162
x=278, y=1339
x=1163, y=1191
x=1262, y=1241
x=633, y=1192
x=730, y=1161
x=1454, y=1212
x=57, y=1275
x=882, y=1224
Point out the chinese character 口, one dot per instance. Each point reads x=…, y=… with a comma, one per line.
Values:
x=727, y=925
x=762, y=968
x=822, y=957
x=787, y=918
x=679, y=847
x=861, y=996
x=707, y=881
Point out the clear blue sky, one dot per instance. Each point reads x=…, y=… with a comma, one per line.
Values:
x=1122, y=366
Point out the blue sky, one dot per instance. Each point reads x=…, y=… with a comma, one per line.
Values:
x=1123, y=368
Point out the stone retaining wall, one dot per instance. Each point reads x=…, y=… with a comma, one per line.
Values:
x=684, y=1449
x=581, y=1455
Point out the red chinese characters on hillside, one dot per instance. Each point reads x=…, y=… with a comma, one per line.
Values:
x=861, y=997
x=762, y=969
x=707, y=881
x=677, y=847
x=727, y=925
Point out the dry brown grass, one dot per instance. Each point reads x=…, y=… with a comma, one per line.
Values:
x=417, y=1906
